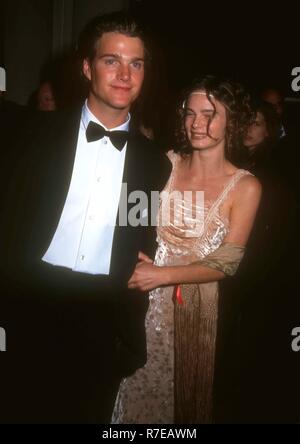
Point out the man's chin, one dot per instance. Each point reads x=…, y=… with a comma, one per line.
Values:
x=121, y=105
x=122, y=102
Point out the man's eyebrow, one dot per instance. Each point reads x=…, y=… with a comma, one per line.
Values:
x=117, y=56
x=109, y=55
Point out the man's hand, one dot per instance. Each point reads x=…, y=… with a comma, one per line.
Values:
x=143, y=257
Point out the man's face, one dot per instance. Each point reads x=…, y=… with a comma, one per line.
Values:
x=274, y=97
x=116, y=73
x=199, y=112
x=46, y=101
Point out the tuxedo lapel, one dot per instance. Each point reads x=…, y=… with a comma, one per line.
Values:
x=56, y=155
x=65, y=143
x=135, y=163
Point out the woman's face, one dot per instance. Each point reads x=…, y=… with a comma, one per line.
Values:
x=257, y=132
x=205, y=122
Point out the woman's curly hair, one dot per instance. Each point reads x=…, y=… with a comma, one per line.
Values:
x=239, y=113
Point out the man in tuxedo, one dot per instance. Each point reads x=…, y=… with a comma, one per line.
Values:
x=73, y=327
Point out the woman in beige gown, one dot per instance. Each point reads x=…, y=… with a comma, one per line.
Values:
x=199, y=243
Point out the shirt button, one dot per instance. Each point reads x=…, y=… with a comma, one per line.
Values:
x=91, y=217
x=82, y=257
x=99, y=179
x=105, y=142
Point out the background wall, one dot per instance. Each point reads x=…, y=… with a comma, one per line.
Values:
x=27, y=44
x=34, y=32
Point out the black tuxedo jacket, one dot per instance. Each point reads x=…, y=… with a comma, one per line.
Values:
x=34, y=204
x=40, y=185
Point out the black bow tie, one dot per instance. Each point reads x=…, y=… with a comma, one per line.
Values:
x=95, y=131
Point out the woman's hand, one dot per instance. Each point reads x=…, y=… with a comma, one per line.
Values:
x=146, y=276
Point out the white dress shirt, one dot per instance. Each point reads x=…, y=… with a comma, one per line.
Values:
x=84, y=236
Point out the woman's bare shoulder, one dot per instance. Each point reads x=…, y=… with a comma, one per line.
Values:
x=248, y=186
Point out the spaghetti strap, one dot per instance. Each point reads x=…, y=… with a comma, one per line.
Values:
x=223, y=195
x=173, y=159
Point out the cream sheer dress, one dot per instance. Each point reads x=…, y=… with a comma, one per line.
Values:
x=176, y=384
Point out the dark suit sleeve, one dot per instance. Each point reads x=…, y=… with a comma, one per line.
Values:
x=158, y=177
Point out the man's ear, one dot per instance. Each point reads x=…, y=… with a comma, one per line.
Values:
x=86, y=69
